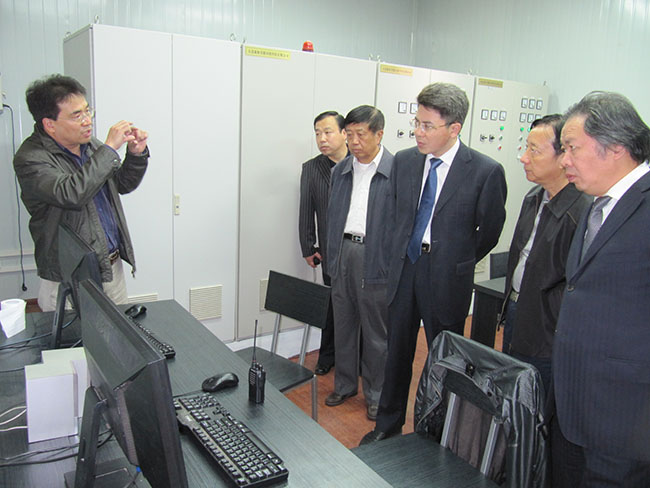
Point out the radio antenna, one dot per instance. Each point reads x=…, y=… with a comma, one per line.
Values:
x=255, y=342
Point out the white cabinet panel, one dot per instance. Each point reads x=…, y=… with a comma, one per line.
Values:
x=342, y=84
x=397, y=89
x=277, y=102
x=206, y=85
x=500, y=128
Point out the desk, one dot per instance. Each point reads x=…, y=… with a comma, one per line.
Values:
x=488, y=300
x=313, y=457
x=411, y=461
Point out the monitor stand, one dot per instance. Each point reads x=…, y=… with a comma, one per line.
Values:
x=65, y=290
x=89, y=474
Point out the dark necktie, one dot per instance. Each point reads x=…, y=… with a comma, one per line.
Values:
x=594, y=221
x=425, y=210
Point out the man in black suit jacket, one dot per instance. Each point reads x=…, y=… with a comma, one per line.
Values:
x=535, y=279
x=314, y=196
x=434, y=252
x=601, y=354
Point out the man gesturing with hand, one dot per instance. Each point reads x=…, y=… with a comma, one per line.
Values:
x=67, y=175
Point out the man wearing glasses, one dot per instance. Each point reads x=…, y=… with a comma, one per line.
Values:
x=450, y=209
x=67, y=175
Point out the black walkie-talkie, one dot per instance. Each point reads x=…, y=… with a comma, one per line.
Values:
x=256, y=376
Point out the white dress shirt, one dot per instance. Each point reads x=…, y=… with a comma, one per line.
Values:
x=617, y=191
x=361, y=177
x=441, y=172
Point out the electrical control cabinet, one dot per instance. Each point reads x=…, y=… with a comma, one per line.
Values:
x=501, y=117
x=282, y=92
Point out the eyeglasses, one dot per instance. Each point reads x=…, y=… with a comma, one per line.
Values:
x=81, y=115
x=426, y=126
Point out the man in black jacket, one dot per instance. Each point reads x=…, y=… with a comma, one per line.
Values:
x=536, y=279
x=67, y=175
x=314, y=197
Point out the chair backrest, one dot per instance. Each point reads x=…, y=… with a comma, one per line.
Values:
x=474, y=423
x=485, y=406
x=498, y=264
x=298, y=299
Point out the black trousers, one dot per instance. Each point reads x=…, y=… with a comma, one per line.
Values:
x=411, y=304
x=326, y=351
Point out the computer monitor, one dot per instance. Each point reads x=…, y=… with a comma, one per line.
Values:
x=130, y=390
x=77, y=262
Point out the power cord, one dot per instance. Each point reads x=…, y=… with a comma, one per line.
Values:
x=20, y=239
x=23, y=343
x=22, y=409
x=56, y=450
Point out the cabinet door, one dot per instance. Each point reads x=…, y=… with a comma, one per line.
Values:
x=277, y=101
x=342, y=84
x=206, y=94
x=130, y=76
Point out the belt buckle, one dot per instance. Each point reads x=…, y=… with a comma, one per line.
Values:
x=114, y=256
x=514, y=296
x=358, y=239
x=426, y=248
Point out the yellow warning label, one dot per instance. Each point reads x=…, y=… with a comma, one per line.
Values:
x=395, y=70
x=264, y=52
x=489, y=82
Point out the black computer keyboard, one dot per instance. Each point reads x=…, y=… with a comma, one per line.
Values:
x=237, y=452
x=165, y=349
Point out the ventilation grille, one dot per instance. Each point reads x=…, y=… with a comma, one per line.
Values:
x=264, y=284
x=151, y=297
x=205, y=302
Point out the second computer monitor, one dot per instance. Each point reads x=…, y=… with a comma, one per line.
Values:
x=77, y=262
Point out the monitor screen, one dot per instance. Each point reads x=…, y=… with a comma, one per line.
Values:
x=129, y=378
x=77, y=262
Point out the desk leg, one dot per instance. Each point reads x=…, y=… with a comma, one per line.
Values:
x=484, y=318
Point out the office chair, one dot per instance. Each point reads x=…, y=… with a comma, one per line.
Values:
x=486, y=407
x=305, y=302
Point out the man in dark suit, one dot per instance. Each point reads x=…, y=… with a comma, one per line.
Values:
x=450, y=209
x=601, y=354
x=314, y=196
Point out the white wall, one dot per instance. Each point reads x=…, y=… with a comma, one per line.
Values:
x=574, y=46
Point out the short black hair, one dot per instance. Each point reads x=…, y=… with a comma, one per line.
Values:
x=555, y=122
x=447, y=99
x=44, y=95
x=331, y=113
x=366, y=114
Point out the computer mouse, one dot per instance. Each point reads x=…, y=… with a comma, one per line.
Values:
x=135, y=310
x=219, y=382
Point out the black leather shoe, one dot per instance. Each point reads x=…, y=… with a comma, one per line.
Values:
x=371, y=413
x=322, y=370
x=378, y=435
x=334, y=399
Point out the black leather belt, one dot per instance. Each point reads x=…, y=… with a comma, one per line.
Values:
x=353, y=238
x=114, y=256
x=426, y=248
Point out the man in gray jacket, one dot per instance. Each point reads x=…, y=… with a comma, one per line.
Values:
x=67, y=175
x=359, y=218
